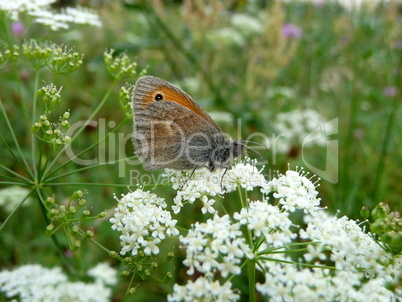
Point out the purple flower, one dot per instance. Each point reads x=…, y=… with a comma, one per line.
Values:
x=291, y=31
x=17, y=28
x=390, y=91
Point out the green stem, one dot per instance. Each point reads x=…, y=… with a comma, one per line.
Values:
x=42, y=147
x=85, y=184
x=297, y=263
x=24, y=165
x=82, y=127
x=83, y=152
x=15, y=174
x=18, y=181
x=274, y=250
x=11, y=183
x=83, y=234
x=251, y=280
x=15, y=158
x=57, y=245
x=35, y=98
x=241, y=197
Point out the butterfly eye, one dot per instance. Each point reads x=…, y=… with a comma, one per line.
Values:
x=158, y=97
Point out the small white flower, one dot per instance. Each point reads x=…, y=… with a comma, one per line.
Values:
x=208, y=205
x=151, y=247
x=314, y=252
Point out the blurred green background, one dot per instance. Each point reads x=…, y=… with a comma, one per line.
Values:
x=263, y=63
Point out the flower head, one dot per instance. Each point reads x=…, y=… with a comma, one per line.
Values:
x=33, y=282
x=143, y=222
x=121, y=66
x=295, y=125
x=44, y=14
x=217, y=244
x=204, y=289
x=103, y=273
x=17, y=28
x=205, y=183
x=291, y=31
x=295, y=191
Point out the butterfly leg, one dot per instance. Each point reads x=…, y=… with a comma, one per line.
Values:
x=188, y=178
x=226, y=169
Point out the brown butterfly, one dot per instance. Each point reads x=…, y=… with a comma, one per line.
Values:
x=173, y=131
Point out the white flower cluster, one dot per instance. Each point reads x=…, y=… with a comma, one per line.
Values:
x=34, y=283
x=203, y=183
x=40, y=9
x=103, y=273
x=340, y=261
x=245, y=175
x=11, y=197
x=15, y=6
x=287, y=283
x=295, y=190
x=204, y=289
x=362, y=268
x=216, y=245
x=349, y=264
x=143, y=222
x=348, y=246
x=268, y=221
x=293, y=128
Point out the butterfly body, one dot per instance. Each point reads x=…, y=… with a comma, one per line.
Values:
x=173, y=131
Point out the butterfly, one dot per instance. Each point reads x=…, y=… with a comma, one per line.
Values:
x=172, y=131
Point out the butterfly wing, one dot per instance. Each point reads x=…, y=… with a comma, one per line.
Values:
x=171, y=129
x=168, y=135
x=148, y=88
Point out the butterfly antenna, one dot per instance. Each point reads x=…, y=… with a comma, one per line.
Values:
x=256, y=152
x=259, y=144
x=226, y=169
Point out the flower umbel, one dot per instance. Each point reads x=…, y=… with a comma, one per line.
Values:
x=53, y=133
x=9, y=56
x=143, y=222
x=65, y=60
x=121, y=67
x=125, y=100
x=33, y=282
